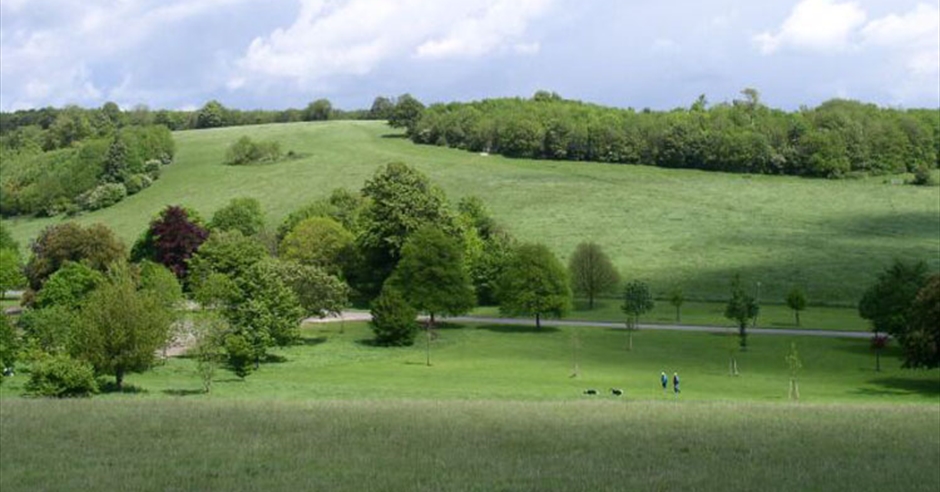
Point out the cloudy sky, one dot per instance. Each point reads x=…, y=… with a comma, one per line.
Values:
x=641, y=53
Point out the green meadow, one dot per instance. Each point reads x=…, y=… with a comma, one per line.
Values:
x=498, y=409
x=669, y=227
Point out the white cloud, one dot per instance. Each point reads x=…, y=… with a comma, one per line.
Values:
x=817, y=25
x=914, y=35
x=352, y=37
x=49, y=57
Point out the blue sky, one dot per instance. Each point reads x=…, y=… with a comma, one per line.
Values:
x=639, y=53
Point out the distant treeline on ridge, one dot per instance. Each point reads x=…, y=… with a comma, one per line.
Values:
x=836, y=139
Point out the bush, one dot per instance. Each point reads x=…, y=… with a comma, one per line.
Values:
x=152, y=168
x=247, y=151
x=61, y=376
x=923, y=176
x=393, y=319
x=240, y=355
x=9, y=344
x=102, y=196
x=137, y=182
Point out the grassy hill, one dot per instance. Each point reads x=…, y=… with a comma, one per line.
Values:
x=669, y=227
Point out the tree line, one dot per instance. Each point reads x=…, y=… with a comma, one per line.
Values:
x=838, y=138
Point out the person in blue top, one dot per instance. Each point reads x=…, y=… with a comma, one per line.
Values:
x=664, y=380
x=675, y=382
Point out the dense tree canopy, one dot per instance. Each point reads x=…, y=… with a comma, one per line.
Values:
x=172, y=239
x=121, y=327
x=95, y=245
x=242, y=214
x=402, y=200
x=834, y=139
x=921, y=342
x=887, y=302
x=534, y=283
x=432, y=275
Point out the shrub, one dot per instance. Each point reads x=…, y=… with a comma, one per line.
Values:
x=9, y=344
x=102, y=196
x=393, y=319
x=923, y=176
x=137, y=182
x=61, y=376
x=240, y=355
x=152, y=168
x=247, y=151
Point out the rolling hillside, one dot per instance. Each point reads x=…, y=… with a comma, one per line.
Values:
x=669, y=227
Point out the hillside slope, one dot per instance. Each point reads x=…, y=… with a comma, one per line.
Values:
x=670, y=227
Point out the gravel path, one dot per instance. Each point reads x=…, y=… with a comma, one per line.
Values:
x=364, y=316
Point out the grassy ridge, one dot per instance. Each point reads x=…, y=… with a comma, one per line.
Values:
x=669, y=227
x=442, y=446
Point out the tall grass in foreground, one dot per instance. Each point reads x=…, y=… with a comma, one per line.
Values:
x=441, y=446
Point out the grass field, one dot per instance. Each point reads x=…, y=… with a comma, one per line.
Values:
x=492, y=362
x=669, y=227
x=483, y=446
x=497, y=410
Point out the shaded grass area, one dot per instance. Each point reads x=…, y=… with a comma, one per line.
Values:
x=712, y=314
x=498, y=362
x=459, y=445
x=669, y=227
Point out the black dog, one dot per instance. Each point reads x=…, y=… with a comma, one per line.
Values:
x=616, y=391
x=590, y=392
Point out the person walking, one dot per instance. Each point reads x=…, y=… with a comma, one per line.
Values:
x=675, y=383
x=664, y=380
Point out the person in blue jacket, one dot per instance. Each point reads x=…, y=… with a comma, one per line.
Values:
x=675, y=382
x=664, y=380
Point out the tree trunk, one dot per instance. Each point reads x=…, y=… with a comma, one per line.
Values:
x=538, y=321
x=742, y=333
x=590, y=301
x=427, y=331
x=797, y=313
x=119, y=379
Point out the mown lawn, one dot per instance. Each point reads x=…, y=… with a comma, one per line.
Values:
x=669, y=227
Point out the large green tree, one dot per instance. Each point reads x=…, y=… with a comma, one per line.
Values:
x=11, y=271
x=120, y=326
x=534, y=283
x=242, y=214
x=921, y=342
x=887, y=302
x=319, y=110
x=433, y=278
x=401, y=201
x=95, y=245
x=591, y=272
x=321, y=242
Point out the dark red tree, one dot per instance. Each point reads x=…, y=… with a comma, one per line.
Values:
x=172, y=239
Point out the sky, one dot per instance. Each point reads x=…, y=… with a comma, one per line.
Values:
x=275, y=54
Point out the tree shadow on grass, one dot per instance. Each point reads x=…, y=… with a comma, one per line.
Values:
x=312, y=341
x=894, y=385
x=183, y=392
x=395, y=135
x=111, y=387
x=518, y=328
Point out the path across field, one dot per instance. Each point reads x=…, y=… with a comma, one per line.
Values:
x=365, y=316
